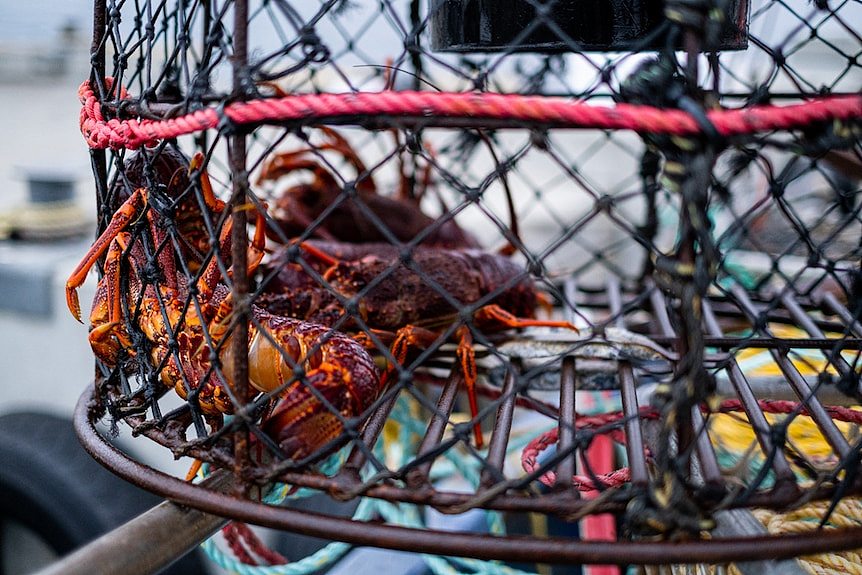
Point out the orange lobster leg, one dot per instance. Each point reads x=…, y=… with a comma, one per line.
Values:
x=193, y=469
x=467, y=357
x=212, y=275
x=322, y=256
x=493, y=313
x=100, y=336
x=491, y=316
x=411, y=336
x=127, y=213
x=414, y=336
x=210, y=198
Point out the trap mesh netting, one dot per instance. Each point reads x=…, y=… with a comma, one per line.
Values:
x=554, y=257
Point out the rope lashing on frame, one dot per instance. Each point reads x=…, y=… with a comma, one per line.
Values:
x=101, y=132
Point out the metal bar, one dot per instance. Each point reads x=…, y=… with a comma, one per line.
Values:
x=684, y=426
x=99, y=158
x=776, y=388
x=800, y=385
x=841, y=311
x=566, y=424
x=202, y=138
x=436, y=427
x=149, y=542
x=659, y=306
x=370, y=433
x=97, y=48
x=756, y=418
x=635, y=449
x=502, y=427
x=570, y=289
x=833, y=357
x=511, y=548
x=615, y=301
x=741, y=522
x=770, y=342
x=709, y=467
x=710, y=470
x=724, y=308
x=634, y=435
x=239, y=232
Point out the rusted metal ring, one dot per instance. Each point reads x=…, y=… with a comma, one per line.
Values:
x=506, y=548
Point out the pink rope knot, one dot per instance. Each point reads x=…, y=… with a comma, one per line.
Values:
x=616, y=478
x=530, y=454
x=98, y=133
x=132, y=134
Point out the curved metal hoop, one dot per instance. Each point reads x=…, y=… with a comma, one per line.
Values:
x=505, y=548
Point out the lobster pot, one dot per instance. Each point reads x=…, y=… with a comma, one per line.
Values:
x=609, y=288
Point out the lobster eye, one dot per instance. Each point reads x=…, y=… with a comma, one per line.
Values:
x=316, y=359
x=293, y=348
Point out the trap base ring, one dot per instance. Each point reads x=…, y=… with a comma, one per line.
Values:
x=506, y=548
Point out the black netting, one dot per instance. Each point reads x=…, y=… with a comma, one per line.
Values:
x=394, y=257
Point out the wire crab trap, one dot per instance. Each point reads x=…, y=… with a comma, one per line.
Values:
x=427, y=255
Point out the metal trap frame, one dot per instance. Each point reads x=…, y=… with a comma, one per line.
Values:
x=695, y=139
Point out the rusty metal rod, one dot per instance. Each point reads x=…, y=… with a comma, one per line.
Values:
x=628, y=395
x=149, y=542
x=566, y=428
x=436, y=427
x=144, y=545
x=838, y=308
x=615, y=301
x=239, y=234
x=709, y=468
x=659, y=306
x=800, y=385
x=502, y=429
x=370, y=433
x=756, y=418
x=634, y=435
x=796, y=311
x=511, y=548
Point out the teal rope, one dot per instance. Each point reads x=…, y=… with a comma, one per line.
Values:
x=318, y=560
x=408, y=516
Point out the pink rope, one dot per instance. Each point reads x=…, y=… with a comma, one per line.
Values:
x=530, y=454
x=101, y=133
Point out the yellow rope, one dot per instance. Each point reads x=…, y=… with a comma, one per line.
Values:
x=848, y=513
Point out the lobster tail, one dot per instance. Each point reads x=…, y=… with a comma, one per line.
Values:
x=340, y=382
x=300, y=423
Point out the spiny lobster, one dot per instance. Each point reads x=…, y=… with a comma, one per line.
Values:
x=187, y=341
x=297, y=207
x=406, y=308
